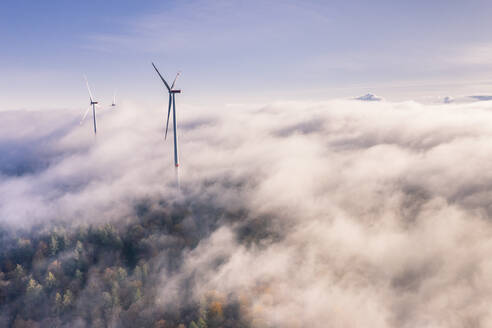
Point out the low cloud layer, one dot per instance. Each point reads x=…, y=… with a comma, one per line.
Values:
x=375, y=214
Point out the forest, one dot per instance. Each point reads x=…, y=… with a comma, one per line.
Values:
x=107, y=275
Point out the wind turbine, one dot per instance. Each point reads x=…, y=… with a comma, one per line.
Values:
x=172, y=92
x=93, y=104
x=114, y=99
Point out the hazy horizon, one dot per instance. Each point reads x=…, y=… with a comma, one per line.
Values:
x=235, y=52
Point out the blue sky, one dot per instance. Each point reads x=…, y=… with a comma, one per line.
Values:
x=242, y=51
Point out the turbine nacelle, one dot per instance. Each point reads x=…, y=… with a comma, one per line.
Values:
x=175, y=91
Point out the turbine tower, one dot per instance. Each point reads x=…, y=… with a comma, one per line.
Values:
x=172, y=102
x=92, y=104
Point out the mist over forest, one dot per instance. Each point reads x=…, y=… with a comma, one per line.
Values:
x=342, y=213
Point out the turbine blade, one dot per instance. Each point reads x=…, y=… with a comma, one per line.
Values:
x=88, y=88
x=178, y=74
x=85, y=115
x=168, y=113
x=167, y=86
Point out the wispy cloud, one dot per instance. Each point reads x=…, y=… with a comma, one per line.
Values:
x=214, y=28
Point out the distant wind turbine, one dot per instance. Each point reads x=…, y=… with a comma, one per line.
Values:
x=92, y=104
x=114, y=99
x=172, y=92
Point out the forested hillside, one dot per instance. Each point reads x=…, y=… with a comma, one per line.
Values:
x=107, y=275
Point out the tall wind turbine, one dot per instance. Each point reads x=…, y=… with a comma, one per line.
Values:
x=172, y=92
x=93, y=103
